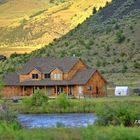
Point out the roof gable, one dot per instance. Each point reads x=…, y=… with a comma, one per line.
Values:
x=94, y=72
x=36, y=68
x=82, y=76
x=48, y=64
x=57, y=69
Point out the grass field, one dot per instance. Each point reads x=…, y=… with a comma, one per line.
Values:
x=10, y=132
x=75, y=105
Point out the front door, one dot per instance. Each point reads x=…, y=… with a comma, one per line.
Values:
x=48, y=91
x=97, y=91
x=80, y=89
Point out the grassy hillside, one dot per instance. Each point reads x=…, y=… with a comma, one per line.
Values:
x=108, y=41
x=26, y=25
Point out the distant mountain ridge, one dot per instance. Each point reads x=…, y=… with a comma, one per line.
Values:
x=26, y=25
x=119, y=9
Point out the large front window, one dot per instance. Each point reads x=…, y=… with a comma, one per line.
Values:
x=34, y=76
x=56, y=76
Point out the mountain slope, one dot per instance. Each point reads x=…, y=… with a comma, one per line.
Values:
x=26, y=25
x=108, y=41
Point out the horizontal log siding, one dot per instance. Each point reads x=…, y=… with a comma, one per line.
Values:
x=95, y=81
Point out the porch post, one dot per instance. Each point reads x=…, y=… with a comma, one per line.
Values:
x=67, y=90
x=12, y=91
x=56, y=90
x=23, y=91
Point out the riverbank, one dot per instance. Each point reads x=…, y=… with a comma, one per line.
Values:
x=11, y=132
x=117, y=119
x=73, y=105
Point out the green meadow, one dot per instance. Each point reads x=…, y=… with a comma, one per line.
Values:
x=10, y=132
x=117, y=118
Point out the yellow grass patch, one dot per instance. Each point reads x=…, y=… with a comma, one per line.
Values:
x=52, y=21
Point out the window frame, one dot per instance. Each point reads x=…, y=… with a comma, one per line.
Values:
x=89, y=88
x=56, y=75
x=35, y=76
x=47, y=76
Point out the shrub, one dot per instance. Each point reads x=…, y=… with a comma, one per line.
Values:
x=27, y=100
x=6, y=114
x=107, y=49
x=137, y=65
x=124, y=69
x=62, y=101
x=131, y=27
x=120, y=37
x=13, y=55
x=117, y=26
x=117, y=114
x=38, y=98
x=98, y=63
x=94, y=10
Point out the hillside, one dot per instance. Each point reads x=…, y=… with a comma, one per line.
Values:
x=26, y=25
x=108, y=41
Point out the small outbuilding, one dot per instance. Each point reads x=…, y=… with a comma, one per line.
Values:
x=121, y=91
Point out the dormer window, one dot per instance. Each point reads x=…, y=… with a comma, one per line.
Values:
x=34, y=76
x=56, y=76
x=47, y=76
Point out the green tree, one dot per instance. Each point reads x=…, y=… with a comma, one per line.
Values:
x=137, y=65
x=62, y=101
x=94, y=10
x=39, y=98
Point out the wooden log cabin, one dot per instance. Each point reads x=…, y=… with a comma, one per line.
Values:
x=53, y=76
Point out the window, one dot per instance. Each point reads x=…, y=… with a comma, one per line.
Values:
x=56, y=76
x=89, y=87
x=47, y=76
x=34, y=76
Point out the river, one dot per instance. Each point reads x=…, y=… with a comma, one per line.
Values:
x=68, y=120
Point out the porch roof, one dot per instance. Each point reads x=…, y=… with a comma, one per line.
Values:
x=43, y=83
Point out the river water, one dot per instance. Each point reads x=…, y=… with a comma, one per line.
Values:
x=56, y=120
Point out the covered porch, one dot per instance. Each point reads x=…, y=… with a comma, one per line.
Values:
x=51, y=91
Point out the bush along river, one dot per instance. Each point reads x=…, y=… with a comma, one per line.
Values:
x=68, y=120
